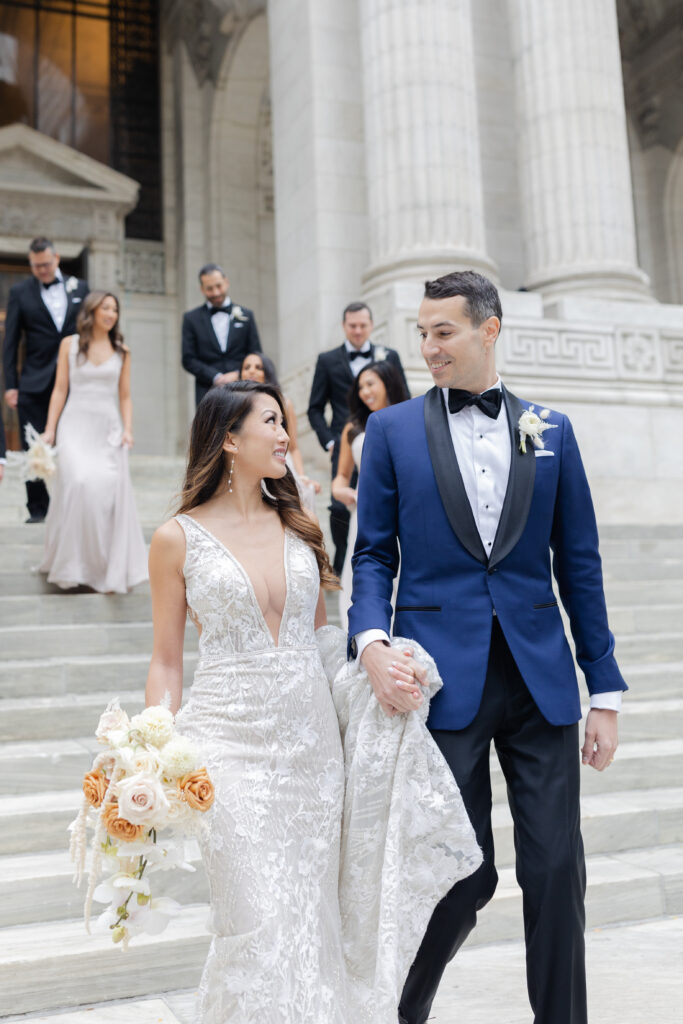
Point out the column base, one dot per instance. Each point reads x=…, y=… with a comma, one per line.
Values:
x=422, y=266
x=608, y=282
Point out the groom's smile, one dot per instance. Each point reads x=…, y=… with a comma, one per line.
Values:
x=458, y=352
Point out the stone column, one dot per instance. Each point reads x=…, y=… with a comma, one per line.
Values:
x=573, y=151
x=425, y=199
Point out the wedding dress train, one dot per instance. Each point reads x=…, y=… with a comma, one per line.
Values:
x=335, y=830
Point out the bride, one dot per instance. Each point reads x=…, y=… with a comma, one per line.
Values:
x=248, y=566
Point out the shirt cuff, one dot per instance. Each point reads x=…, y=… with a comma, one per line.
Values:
x=215, y=377
x=329, y=446
x=610, y=701
x=367, y=636
x=3, y=460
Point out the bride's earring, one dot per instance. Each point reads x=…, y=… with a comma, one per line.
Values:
x=232, y=468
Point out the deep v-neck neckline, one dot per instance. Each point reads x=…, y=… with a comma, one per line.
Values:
x=276, y=641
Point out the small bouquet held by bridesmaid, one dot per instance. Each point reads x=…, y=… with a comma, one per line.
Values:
x=39, y=462
x=143, y=797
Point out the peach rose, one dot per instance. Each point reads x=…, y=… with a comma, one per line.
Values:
x=197, y=789
x=119, y=828
x=95, y=786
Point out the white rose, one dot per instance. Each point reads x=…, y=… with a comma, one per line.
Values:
x=154, y=725
x=142, y=800
x=178, y=757
x=135, y=760
x=113, y=720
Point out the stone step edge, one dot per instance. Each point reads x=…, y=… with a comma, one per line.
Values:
x=69, y=938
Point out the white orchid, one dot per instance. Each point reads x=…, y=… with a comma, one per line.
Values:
x=71, y=285
x=238, y=314
x=532, y=427
x=380, y=353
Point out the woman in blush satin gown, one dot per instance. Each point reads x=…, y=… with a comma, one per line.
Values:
x=376, y=386
x=301, y=925
x=92, y=533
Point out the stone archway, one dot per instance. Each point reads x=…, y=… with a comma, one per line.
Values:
x=240, y=210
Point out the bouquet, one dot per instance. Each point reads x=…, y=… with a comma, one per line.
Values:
x=143, y=797
x=39, y=462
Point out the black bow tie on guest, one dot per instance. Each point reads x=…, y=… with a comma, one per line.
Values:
x=48, y=284
x=489, y=403
x=360, y=354
x=221, y=309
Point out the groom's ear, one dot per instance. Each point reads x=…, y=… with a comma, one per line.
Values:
x=490, y=330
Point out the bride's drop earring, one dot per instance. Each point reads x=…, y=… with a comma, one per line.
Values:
x=232, y=467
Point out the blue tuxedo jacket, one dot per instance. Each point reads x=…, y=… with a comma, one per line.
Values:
x=411, y=494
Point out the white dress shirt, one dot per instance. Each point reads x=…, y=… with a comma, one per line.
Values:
x=358, y=364
x=221, y=324
x=482, y=448
x=56, y=301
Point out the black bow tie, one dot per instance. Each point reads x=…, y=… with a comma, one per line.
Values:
x=48, y=284
x=221, y=309
x=358, y=354
x=489, y=402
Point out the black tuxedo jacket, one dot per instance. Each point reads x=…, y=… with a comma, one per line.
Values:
x=3, y=443
x=332, y=381
x=202, y=355
x=28, y=315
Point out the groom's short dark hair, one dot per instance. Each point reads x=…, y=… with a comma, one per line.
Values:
x=481, y=295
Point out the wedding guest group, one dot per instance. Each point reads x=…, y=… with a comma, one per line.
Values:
x=377, y=386
x=258, y=367
x=335, y=372
x=93, y=537
x=479, y=489
x=42, y=310
x=217, y=335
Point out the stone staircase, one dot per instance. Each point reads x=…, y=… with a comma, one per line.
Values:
x=63, y=656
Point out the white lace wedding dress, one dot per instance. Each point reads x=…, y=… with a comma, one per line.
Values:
x=302, y=935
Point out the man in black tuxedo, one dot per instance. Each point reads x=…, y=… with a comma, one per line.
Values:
x=43, y=309
x=216, y=335
x=334, y=374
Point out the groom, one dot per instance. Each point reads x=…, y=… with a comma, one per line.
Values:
x=477, y=519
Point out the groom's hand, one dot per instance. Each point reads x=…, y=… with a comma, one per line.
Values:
x=601, y=738
x=395, y=677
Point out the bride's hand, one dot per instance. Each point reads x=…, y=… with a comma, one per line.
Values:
x=394, y=676
x=126, y=439
x=48, y=436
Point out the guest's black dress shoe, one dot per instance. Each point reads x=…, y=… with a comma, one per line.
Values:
x=36, y=519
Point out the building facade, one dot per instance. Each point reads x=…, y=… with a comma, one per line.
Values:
x=324, y=151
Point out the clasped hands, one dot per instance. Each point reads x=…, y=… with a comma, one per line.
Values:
x=395, y=677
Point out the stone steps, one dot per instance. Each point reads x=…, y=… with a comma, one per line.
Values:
x=39, y=886
x=114, y=674
x=89, y=638
x=66, y=608
x=57, y=964
x=70, y=715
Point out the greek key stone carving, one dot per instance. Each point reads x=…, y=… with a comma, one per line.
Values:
x=672, y=354
x=638, y=353
x=537, y=351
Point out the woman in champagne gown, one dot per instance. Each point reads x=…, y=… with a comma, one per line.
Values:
x=376, y=386
x=247, y=564
x=92, y=534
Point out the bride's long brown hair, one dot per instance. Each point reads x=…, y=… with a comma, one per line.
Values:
x=223, y=410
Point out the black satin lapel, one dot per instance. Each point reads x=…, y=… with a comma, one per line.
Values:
x=448, y=477
x=41, y=307
x=345, y=364
x=212, y=334
x=520, y=487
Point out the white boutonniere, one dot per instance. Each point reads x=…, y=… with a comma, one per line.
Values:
x=71, y=285
x=380, y=353
x=532, y=427
x=238, y=314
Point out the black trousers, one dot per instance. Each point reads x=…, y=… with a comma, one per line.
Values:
x=32, y=408
x=541, y=767
x=339, y=517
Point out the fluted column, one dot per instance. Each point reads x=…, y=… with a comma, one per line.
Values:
x=425, y=202
x=574, y=166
